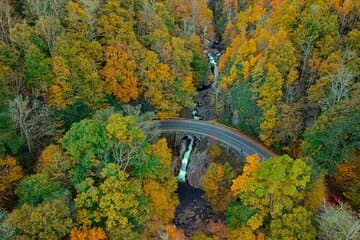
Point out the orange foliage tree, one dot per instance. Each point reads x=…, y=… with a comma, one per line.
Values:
x=119, y=73
x=87, y=234
x=172, y=233
x=348, y=175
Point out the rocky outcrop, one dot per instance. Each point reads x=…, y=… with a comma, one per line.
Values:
x=199, y=160
x=193, y=213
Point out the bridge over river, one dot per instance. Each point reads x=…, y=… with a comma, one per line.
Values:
x=231, y=137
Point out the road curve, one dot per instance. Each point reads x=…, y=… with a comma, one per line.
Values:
x=238, y=141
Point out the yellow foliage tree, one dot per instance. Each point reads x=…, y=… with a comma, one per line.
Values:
x=54, y=162
x=60, y=93
x=47, y=156
x=161, y=151
x=244, y=233
x=252, y=163
x=216, y=184
x=124, y=129
x=317, y=194
x=163, y=204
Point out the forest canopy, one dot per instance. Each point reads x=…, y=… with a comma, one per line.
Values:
x=80, y=78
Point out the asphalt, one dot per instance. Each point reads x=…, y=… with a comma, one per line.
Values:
x=231, y=137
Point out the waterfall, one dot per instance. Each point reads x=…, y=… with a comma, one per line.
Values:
x=184, y=162
x=213, y=63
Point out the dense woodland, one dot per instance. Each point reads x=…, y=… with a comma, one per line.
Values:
x=78, y=78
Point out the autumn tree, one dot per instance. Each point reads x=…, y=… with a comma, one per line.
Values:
x=53, y=220
x=35, y=63
x=159, y=186
x=162, y=89
x=317, y=194
x=126, y=140
x=76, y=61
x=172, y=233
x=216, y=184
x=157, y=88
x=117, y=202
x=203, y=236
x=347, y=175
x=87, y=234
x=287, y=226
x=119, y=73
x=276, y=195
x=163, y=204
x=55, y=163
x=295, y=62
x=10, y=175
x=115, y=24
x=195, y=17
x=252, y=164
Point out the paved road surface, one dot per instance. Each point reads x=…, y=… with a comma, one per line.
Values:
x=230, y=137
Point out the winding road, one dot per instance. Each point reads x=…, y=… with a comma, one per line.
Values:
x=231, y=137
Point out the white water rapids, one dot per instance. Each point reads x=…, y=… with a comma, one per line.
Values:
x=213, y=63
x=184, y=162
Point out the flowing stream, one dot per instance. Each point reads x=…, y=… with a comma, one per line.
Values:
x=184, y=162
x=213, y=64
x=213, y=58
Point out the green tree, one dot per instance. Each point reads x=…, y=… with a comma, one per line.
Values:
x=332, y=137
x=246, y=115
x=38, y=69
x=37, y=189
x=237, y=214
x=85, y=141
x=275, y=190
x=117, y=202
x=295, y=224
x=10, y=140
